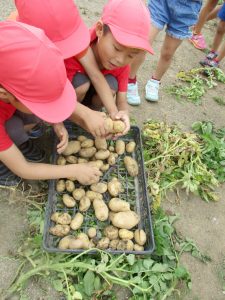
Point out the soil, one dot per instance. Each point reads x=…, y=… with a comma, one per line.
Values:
x=203, y=222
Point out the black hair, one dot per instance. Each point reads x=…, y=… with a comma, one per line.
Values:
x=106, y=29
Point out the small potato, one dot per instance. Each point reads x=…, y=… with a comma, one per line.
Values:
x=64, y=242
x=103, y=243
x=131, y=166
x=125, y=219
x=122, y=245
x=104, y=167
x=61, y=218
x=81, y=138
x=73, y=147
x=101, y=210
x=111, y=149
x=75, y=243
x=61, y=160
x=60, y=186
x=82, y=160
x=125, y=234
x=87, y=152
x=97, y=163
x=92, y=232
x=94, y=195
x=140, y=237
x=102, y=154
x=91, y=245
x=138, y=247
x=77, y=221
x=112, y=159
x=117, y=205
x=118, y=126
x=70, y=186
x=114, y=187
x=120, y=147
x=99, y=187
x=78, y=194
x=111, y=232
x=108, y=124
x=130, y=147
x=68, y=200
x=71, y=159
x=60, y=230
x=87, y=143
x=84, y=204
x=113, y=244
x=101, y=144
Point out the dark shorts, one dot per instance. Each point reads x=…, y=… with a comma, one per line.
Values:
x=221, y=13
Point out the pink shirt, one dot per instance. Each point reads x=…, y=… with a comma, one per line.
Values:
x=6, y=112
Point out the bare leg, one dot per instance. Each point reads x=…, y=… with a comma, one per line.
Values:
x=219, y=35
x=214, y=13
x=81, y=91
x=221, y=53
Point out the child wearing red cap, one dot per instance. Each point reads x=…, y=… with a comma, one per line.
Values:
x=33, y=80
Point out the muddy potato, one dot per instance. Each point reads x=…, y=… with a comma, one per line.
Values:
x=91, y=245
x=84, y=204
x=94, y=195
x=92, y=232
x=111, y=148
x=68, y=200
x=103, y=243
x=97, y=163
x=138, y=247
x=87, y=152
x=101, y=143
x=122, y=245
x=71, y=159
x=140, y=237
x=108, y=124
x=130, y=147
x=125, y=219
x=118, y=126
x=112, y=159
x=125, y=234
x=61, y=161
x=114, y=187
x=113, y=244
x=130, y=245
x=81, y=138
x=131, y=166
x=78, y=194
x=61, y=218
x=117, y=205
x=101, y=210
x=102, y=154
x=73, y=147
x=111, y=232
x=64, y=242
x=99, y=187
x=75, y=243
x=77, y=221
x=60, y=186
x=70, y=186
x=60, y=230
x=87, y=143
x=104, y=167
x=120, y=147
x=82, y=160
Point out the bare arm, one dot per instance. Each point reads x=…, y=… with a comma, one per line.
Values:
x=123, y=110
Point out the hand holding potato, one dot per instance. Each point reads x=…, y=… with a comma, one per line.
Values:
x=86, y=174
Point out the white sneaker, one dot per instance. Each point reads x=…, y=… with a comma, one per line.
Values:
x=152, y=90
x=133, y=97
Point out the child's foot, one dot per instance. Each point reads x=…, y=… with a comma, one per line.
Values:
x=31, y=152
x=133, y=97
x=209, y=63
x=198, y=41
x=7, y=178
x=36, y=132
x=212, y=55
x=152, y=90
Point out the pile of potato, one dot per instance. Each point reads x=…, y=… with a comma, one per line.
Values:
x=121, y=234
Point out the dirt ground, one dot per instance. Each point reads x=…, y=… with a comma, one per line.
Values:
x=201, y=221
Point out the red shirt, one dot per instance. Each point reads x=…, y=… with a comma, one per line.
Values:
x=121, y=74
x=6, y=112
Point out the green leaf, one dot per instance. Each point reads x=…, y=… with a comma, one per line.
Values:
x=77, y=296
x=58, y=285
x=89, y=279
x=181, y=272
x=160, y=268
x=147, y=263
x=131, y=259
x=97, y=283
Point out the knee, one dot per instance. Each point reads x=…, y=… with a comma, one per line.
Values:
x=166, y=54
x=81, y=91
x=220, y=28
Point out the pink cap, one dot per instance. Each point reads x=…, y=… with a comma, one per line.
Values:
x=129, y=22
x=61, y=21
x=33, y=70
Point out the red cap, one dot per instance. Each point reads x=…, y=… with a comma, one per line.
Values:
x=33, y=70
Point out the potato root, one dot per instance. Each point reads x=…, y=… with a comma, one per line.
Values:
x=111, y=232
x=125, y=219
x=131, y=166
x=114, y=187
x=60, y=230
x=101, y=210
x=68, y=200
x=140, y=237
x=73, y=147
x=77, y=221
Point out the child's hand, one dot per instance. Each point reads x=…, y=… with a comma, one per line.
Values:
x=62, y=135
x=86, y=174
x=123, y=116
x=95, y=123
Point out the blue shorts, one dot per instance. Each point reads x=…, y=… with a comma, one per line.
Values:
x=177, y=15
x=221, y=13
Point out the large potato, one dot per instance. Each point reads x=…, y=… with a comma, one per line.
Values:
x=64, y=242
x=125, y=219
x=61, y=160
x=85, y=240
x=111, y=232
x=102, y=154
x=114, y=187
x=108, y=124
x=71, y=159
x=60, y=230
x=61, y=218
x=97, y=163
x=100, y=143
x=87, y=152
x=84, y=204
x=68, y=200
x=120, y=147
x=117, y=205
x=87, y=143
x=101, y=210
x=78, y=194
x=99, y=187
x=125, y=234
x=70, y=186
x=140, y=237
x=77, y=221
x=118, y=126
x=73, y=147
x=60, y=186
x=94, y=195
x=130, y=147
x=103, y=243
x=131, y=166
x=75, y=243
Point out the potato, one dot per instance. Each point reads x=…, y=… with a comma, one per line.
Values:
x=117, y=205
x=111, y=149
x=130, y=245
x=85, y=203
x=114, y=187
x=99, y=187
x=60, y=186
x=70, y=186
x=111, y=215
x=87, y=143
x=122, y=245
x=77, y=221
x=72, y=178
x=78, y=194
x=92, y=232
x=60, y=230
x=82, y=160
x=97, y=163
x=140, y=237
x=61, y=161
x=138, y=247
x=91, y=245
x=68, y=200
x=120, y=147
x=73, y=147
x=131, y=166
x=101, y=143
x=101, y=210
x=112, y=159
x=71, y=159
x=125, y=234
x=85, y=240
x=118, y=126
x=94, y=195
x=64, y=242
x=108, y=124
x=61, y=218
x=130, y=147
x=111, y=232
x=75, y=243
x=81, y=138
x=125, y=219
x=104, y=167
x=102, y=154
x=87, y=152
x=113, y=244
x=103, y=243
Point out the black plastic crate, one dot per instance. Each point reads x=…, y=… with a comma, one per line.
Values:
x=135, y=192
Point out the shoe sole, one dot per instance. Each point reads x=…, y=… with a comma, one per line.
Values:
x=151, y=100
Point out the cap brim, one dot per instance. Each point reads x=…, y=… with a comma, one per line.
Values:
x=130, y=40
x=77, y=42
x=55, y=111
